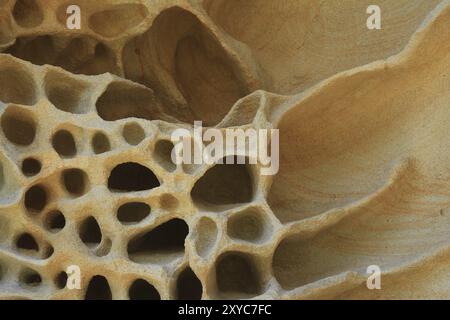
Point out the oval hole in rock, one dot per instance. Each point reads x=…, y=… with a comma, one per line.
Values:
x=55, y=221
x=64, y=144
x=18, y=127
x=36, y=198
x=17, y=86
x=98, y=289
x=27, y=13
x=224, y=184
x=133, y=133
x=133, y=212
x=237, y=276
x=30, y=278
x=61, y=280
x=206, y=236
x=131, y=176
x=100, y=143
x=189, y=286
x=90, y=232
x=142, y=290
x=248, y=225
x=27, y=242
x=163, y=155
x=75, y=181
x=161, y=244
x=31, y=167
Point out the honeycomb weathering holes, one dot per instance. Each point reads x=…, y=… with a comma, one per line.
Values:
x=90, y=232
x=133, y=212
x=248, y=225
x=237, y=274
x=31, y=167
x=162, y=154
x=18, y=127
x=27, y=242
x=189, y=286
x=206, y=236
x=124, y=100
x=64, y=144
x=83, y=55
x=161, y=244
x=118, y=19
x=75, y=181
x=65, y=92
x=30, y=277
x=36, y=198
x=131, y=176
x=142, y=290
x=98, y=289
x=100, y=143
x=133, y=133
x=55, y=221
x=27, y=13
x=61, y=280
x=198, y=65
x=17, y=86
x=224, y=184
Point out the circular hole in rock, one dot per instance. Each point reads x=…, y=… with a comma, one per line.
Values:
x=142, y=290
x=98, y=289
x=27, y=13
x=55, y=221
x=100, y=143
x=75, y=181
x=163, y=155
x=237, y=276
x=189, y=286
x=61, y=280
x=64, y=144
x=31, y=167
x=18, y=127
x=133, y=212
x=133, y=133
x=30, y=278
x=36, y=198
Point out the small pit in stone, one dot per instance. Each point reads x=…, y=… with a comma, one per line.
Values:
x=17, y=86
x=98, y=289
x=163, y=155
x=142, y=290
x=65, y=92
x=26, y=242
x=224, y=184
x=124, y=100
x=18, y=127
x=36, y=199
x=31, y=167
x=64, y=144
x=237, y=276
x=61, y=280
x=100, y=143
x=90, y=232
x=206, y=236
x=248, y=225
x=133, y=212
x=189, y=286
x=162, y=244
x=75, y=181
x=168, y=202
x=55, y=221
x=133, y=133
x=131, y=176
x=27, y=13
x=30, y=277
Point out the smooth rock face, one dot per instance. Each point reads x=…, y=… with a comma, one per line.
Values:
x=88, y=187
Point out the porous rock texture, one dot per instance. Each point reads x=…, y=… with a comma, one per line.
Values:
x=86, y=177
